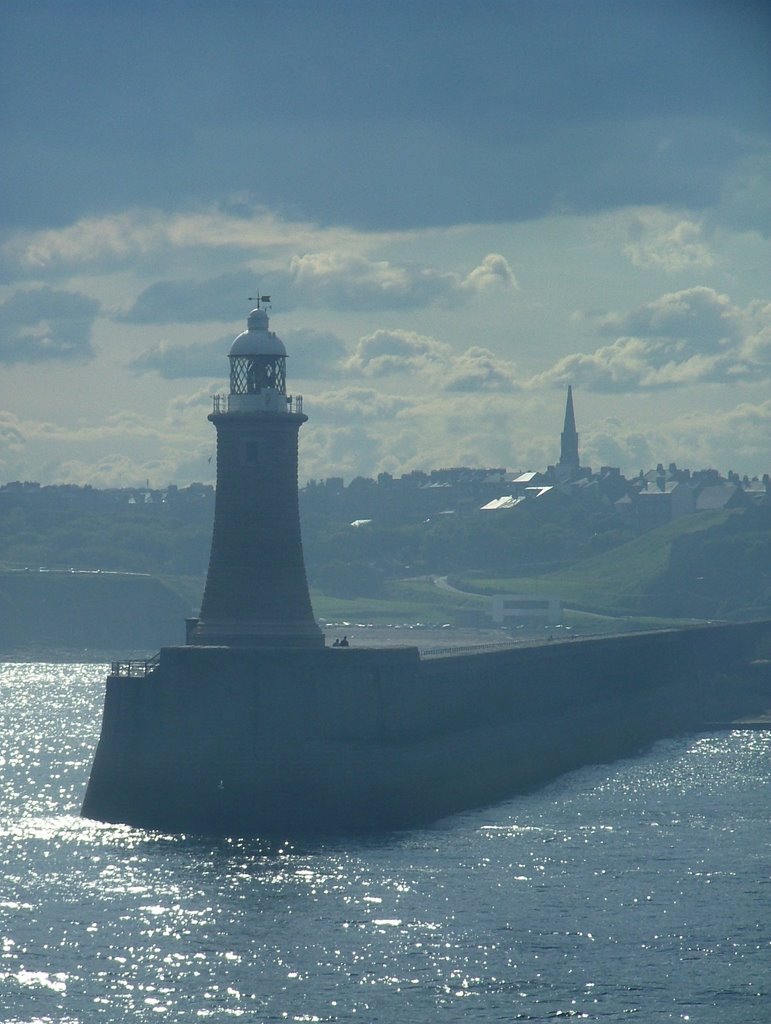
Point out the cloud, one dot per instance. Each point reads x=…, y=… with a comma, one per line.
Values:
x=692, y=336
x=12, y=440
x=123, y=425
x=732, y=438
x=313, y=354
x=612, y=442
x=43, y=324
x=355, y=405
x=629, y=364
x=518, y=103
x=11, y=435
x=189, y=301
x=478, y=369
x=657, y=240
x=389, y=352
x=115, y=470
x=746, y=198
x=695, y=319
x=756, y=345
x=141, y=235
x=348, y=281
x=493, y=273
x=173, y=361
x=332, y=279
x=180, y=406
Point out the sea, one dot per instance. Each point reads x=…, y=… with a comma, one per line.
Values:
x=639, y=890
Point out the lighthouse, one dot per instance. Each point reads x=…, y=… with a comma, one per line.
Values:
x=256, y=592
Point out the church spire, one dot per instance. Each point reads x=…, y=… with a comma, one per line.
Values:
x=569, y=437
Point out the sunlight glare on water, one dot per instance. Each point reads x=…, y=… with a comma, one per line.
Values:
x=639, y=889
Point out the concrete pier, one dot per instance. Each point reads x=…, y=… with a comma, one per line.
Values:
x=289, y=742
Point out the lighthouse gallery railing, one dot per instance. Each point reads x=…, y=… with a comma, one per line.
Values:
x=220, y=404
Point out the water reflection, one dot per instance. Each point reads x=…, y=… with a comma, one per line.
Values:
x=635, y=888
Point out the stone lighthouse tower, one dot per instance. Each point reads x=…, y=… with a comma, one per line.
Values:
x=256, y=592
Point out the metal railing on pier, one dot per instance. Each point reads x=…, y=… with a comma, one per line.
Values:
x=137, y=667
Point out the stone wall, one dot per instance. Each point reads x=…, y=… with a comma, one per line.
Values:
x=286, y=742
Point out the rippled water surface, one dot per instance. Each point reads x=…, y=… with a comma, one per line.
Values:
x=637, y=890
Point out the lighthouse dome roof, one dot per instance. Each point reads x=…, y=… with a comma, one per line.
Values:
x=257, y=340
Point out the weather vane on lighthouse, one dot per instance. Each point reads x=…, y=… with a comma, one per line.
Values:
x=261, y=300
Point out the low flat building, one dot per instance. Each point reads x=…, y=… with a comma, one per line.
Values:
x=521, y=609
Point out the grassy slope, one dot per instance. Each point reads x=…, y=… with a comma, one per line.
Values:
x=404, y=601
x=597, y=591
x=600, y=594
x=611, y=582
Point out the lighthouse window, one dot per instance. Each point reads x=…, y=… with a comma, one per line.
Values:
x=251, y=374
x=239, y=370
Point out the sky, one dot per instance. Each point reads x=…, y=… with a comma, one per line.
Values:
x=457, y=208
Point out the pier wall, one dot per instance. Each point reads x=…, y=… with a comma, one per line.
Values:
x=284, y=742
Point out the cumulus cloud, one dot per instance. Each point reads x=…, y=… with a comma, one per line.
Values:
x=331, y=279
x=180, y=405
x=140, y=234
x=612, y=442
x=692, y=336
x=756, y=343
x=173, y=361
x=125, y=424
x=350, y=281
x=729, y=438
x=493, y=273
x=313, y=354
x=696, y=319
x=664, y=242
x=42, y=324
x=12, y=442
x=631, y=363
x=115, y=470
x=399, y=352
x=389, y=352
x=123, y=449
x=352, y=404
x=478, y=369
x=11, y=436
x=188, y=301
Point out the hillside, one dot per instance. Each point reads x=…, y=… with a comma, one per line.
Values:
x=92, y=615
x=711, y=565
x=706, y=566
